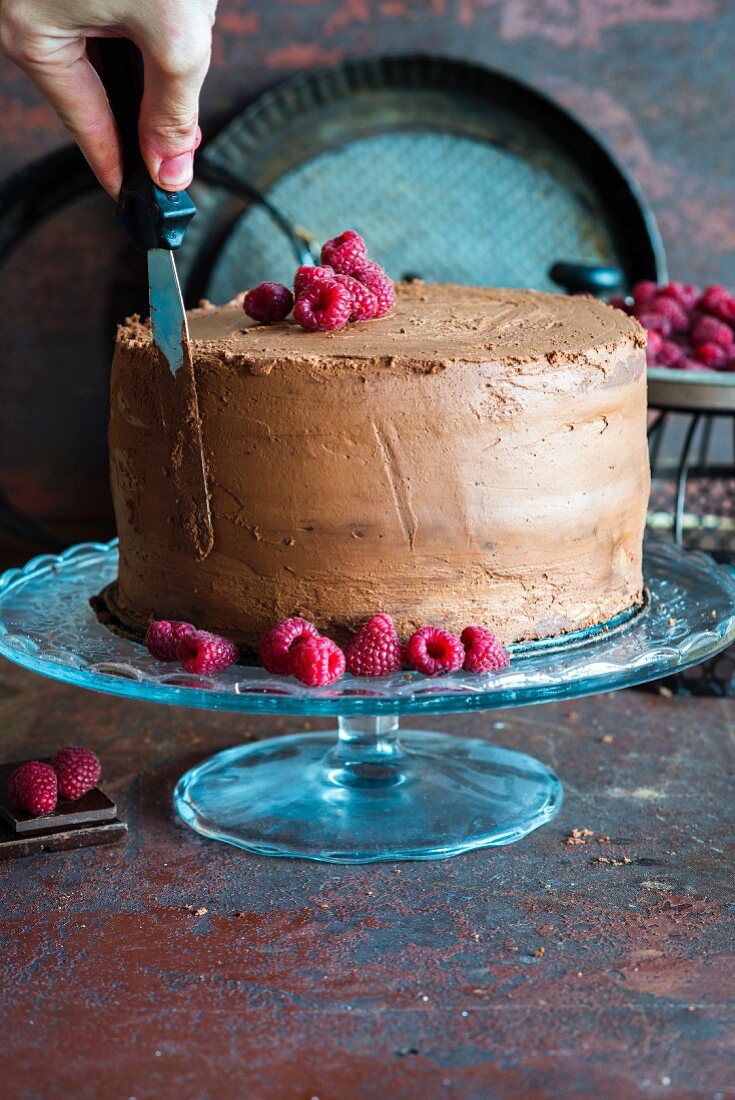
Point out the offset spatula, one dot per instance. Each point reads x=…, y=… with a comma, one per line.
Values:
x=156, y=221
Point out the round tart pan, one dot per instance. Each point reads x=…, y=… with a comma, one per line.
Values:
x=453, y=173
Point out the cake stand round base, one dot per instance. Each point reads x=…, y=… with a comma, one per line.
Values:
x=368, y=795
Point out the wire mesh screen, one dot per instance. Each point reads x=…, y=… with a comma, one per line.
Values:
x=444, y=207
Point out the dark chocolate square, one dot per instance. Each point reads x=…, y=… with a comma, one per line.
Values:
x=92, y=808
x=13, y=845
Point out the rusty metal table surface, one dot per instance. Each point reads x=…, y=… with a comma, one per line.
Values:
x=172, y=966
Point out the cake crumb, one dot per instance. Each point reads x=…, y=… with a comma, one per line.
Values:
x=538, y=952
x=578, y=836
x=200, y=911
x=607, y=739
x=611, y=861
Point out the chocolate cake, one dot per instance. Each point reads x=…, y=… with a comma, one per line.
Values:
x=477, y=456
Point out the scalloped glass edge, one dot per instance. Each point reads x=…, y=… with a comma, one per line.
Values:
x=604, y=663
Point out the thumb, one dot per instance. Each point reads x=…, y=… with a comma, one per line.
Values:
x=168, y=128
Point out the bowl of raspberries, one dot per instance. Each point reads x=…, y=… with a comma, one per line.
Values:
x=691, y=342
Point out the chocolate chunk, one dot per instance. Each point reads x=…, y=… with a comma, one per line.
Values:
x=61, y=839
x=92, y=808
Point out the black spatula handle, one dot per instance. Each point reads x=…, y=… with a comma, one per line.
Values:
x=153, y=218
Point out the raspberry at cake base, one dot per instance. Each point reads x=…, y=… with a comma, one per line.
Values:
x=477, y=456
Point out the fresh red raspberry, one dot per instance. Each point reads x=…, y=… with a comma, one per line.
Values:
x=308, y=274
x=724, y=310
x=686, y=294
x=655, y=322
x=364, y=302
x=669, y=353
x=711, y=297
x=345, y=253
x=483, y=651
x=202, y=652
x=432, y=651
x=708, y=330
x=655, y=340
x=375, y=650
x=317, y=662
x=34, y=788
x=268, y=303
x=644, y=292
x=323, y=307
x=374, y=278
x=669, y=307
x=77, y=770
x=712, y=355
x=163, y=638
x=275, y=647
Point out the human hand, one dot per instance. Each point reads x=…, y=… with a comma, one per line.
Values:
x=48, y=40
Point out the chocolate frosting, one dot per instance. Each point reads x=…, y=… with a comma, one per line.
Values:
x=478, y=456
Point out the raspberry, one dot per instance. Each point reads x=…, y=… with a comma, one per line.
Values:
x=276, y=645
x=669, y=353
x=163, y=638
x=685, y=294
x=323, y=306
x=712, y=355
x=374, y=278
x=375, y=650
x=711, y=298
x=655, y=340
x=317, y=662
x=364, y=302
x=308, y=274
x=34, y=788
x=202, y=652
x=724, y=309
x=268, y=303
x=432, y=651
x=345, y=253
x=655, y=322
x=708, y=330
x=644, y=292
x=484, y=653
x=77, y=770
x=668, y=307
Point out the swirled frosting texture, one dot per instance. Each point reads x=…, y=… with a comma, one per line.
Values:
x=478, y=456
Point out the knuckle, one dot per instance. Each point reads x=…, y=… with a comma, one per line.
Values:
x=175, y=130
x=183, y=60
x=15, y=28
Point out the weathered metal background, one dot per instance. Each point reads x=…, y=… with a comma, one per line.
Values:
x=176, y=967
x=654, y=77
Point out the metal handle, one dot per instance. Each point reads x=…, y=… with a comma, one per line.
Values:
x=153, y=218
x=586, y=278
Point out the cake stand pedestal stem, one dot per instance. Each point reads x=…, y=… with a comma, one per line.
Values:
x=367, y=754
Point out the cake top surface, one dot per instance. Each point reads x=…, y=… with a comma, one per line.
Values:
x=429, y=323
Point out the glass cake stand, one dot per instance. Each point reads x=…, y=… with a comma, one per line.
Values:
x=362, y=794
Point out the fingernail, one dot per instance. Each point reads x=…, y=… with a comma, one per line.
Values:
x=175, y=172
